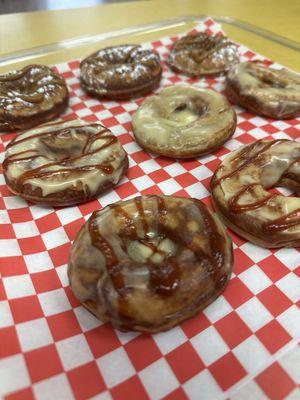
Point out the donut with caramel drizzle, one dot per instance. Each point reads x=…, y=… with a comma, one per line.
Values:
x=64, y=163
x=149, y=263
x=31, y=96
x=241, y=197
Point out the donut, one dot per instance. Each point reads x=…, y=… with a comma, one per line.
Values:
x=121, y=72
x=64, y=163
x=31, y=96
x=148, y=263
x=241, y=197
x=264, y=91
x=183, y=121
x=201, y=54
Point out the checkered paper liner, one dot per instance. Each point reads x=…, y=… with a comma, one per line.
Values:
x=243, y=346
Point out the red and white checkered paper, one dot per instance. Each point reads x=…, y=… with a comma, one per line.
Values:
x=243, y=346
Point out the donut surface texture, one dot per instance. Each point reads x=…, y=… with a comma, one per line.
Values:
x=64, y=163
x=183, y=121
x=148, y=263
x=202, y=54
x=264, y=91
x=31, y=96
x=239, y=189
x=121, y=72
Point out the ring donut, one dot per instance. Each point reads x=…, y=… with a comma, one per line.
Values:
x=121, y=72
x=183, y=121
x=64, y=163
x=241, y=197
x=264, y=91
x=201, y=54
x=31, y=96
x=148, y=263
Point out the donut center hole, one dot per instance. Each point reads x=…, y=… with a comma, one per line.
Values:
x=64, y=145
x=153, y=250
x=270, y=81
x=188, y=112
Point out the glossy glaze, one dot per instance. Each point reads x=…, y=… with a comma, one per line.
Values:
x=240, y=192
x=184, y=121
x=58, y=157
x=148, y=263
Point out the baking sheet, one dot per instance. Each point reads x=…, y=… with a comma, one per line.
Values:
x=242, y=346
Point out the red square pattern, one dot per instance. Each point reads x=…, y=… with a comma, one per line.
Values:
x=182, y=361
x=227, y=371
x=273, y=336
x=274, y=300
x=25, y=309
x=130, y=389
x=232, y=329
x=89, y=375
x=185, y=362
x=275, y=382
x=142, y=351
x=43, y=363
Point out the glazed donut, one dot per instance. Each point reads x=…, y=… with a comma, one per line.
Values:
x=148, y=263
x=183, y=121
x=239, y=190
x=31, y=96
x=121, y=72
x=264, y=91
x=64, y=163
x=202, y=54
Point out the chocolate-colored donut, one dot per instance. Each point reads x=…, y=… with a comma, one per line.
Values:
x=202, y=54
x=64, y=163
x=239, y=190
x=183, y=121
x=264, y=91
x=121, y=72
x=149, y=263
x=31, y=96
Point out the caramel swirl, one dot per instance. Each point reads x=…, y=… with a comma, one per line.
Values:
x=202, y=54
x=31, y=95
x=120, y=72
x=64, y=156
x=239, y=188
x=150, y=262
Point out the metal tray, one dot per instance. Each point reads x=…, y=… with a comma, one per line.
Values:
x=258, y=39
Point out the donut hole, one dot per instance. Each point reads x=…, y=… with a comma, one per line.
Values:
x=154, y=250
x=64, y=146
x=189, y=111
x=272, y=82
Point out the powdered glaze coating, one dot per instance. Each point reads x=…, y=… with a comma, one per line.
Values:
x=239, y=190
x=121, y=72
x=264, y=90
x=184, y=121
x=202, y=54
x=64, y=163
x=151, y=262
x=30, y=96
